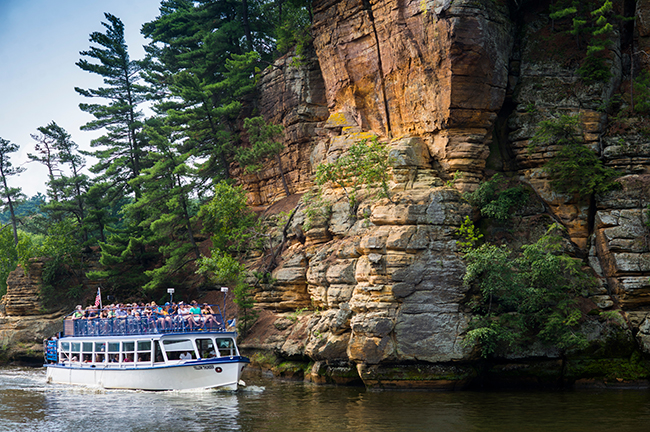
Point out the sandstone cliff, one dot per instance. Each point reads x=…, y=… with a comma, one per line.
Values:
x=456, y=89
x=452, y=87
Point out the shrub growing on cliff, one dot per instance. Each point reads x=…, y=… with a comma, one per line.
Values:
x=365, y=164
x=575, y=169
x=495, y=201
x=526, y=298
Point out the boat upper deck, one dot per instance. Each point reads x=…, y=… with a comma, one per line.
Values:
x=143, y=324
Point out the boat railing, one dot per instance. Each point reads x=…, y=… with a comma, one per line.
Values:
x=142, y=324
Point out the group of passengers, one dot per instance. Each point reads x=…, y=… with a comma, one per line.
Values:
x=167, y=317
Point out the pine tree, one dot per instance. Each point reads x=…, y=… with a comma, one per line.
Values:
x=122, y=153
x=66, y=191
x=9, y=194
x=166, y=204
x=264, y=138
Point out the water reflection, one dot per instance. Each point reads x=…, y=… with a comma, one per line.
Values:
x=27, y=403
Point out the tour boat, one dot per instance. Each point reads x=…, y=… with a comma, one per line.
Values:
x=145, y=353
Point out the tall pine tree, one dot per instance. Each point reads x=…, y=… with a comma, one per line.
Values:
x=121, y=154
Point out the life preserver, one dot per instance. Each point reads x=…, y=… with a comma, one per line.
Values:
x=218, y=369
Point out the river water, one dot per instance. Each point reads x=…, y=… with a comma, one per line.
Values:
x=27, y=403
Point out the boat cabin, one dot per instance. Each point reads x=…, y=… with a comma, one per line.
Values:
x=136, y=351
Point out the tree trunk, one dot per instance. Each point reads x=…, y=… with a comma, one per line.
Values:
x=247, y=25
x=284, y=180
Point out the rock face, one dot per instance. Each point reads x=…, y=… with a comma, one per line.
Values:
x=23, y=293
x=450, y=87
x=25, y=319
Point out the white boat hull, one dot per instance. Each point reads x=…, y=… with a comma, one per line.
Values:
x=196, y=374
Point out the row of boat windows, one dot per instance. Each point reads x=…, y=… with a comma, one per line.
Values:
x=141, y=350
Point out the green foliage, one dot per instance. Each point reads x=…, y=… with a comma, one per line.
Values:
x=8, y=194
x=25, y=209
x=495, y=201
x=63, y=266
x=224, y=269
x=593, y=19
x=575, y=169
x=469, y=234
x=235, y=229
x=457, y=175
x=316, y=208
x=525, y=298
x=642, y=92
x=293, y=26
x=365, y=164
x=165, y=208
x=233, y=225
x=121, y=151
x=264, y=139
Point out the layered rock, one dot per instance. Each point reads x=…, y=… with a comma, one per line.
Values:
x=294, y=98
x=23, y=296
x=418, y=69
x=383, y=287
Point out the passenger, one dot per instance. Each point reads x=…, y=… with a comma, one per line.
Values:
x=184, y=314
x=78, y=313
x=186, y=356
x=211, y=322
x=164, y=320
x=195, y=319
x=120, y=311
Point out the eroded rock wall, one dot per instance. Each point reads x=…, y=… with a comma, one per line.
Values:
x=450, y=86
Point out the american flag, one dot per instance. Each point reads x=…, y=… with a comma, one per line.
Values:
x=98, y=298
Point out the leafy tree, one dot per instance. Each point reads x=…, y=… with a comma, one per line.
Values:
x=365, y=164
x=233, y=225
x=235, y=229
x=223, y=269
x=9, y=194
x=494, y=200
x=64, y=265
x=575, y=169
x=12, y=254
x=122, y=153
x=264, y=138
x=525, y=298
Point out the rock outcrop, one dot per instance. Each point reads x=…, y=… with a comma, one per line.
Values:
x=450, y=87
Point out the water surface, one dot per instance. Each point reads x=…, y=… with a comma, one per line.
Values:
x=28, y=403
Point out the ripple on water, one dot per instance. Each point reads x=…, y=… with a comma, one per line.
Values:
x=27, y=403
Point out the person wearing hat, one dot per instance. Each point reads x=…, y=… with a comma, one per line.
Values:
x=78, y=312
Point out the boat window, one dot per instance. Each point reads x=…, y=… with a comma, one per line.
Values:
x=127, y=351
x=113, y=347
x=144, y=345
x=65, y=346
x=144, y=351
x=100, y=347
x=75, y=351
x=176, y=348
x=88, y=347
x=99, y=358
x=206, y=348
x=158, y=353
x=226, y=347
